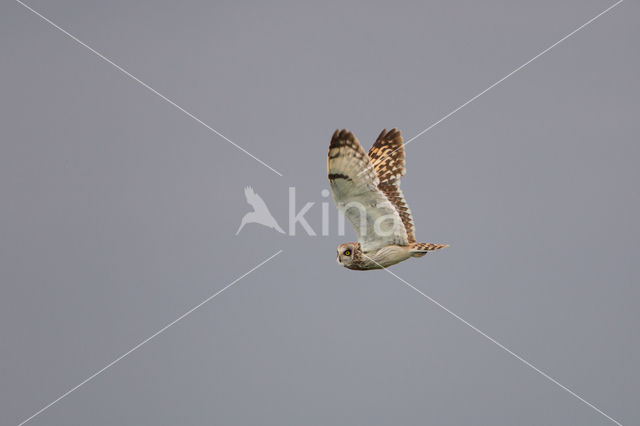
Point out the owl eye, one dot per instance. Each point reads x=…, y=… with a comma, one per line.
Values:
x=347, y=252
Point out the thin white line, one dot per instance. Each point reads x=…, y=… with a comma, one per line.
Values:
x=500, y=345
x=503, y=79
x=133, y=77
x=163, y=329
x=514, y=71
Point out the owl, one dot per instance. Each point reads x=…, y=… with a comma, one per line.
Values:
x=366, y=189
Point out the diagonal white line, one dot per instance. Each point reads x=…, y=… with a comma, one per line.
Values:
x=162, y=330
x=514, y=71
x=502, y=79
x=500, y=345
x=145, y=85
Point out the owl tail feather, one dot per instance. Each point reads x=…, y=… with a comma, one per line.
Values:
x=420, y=249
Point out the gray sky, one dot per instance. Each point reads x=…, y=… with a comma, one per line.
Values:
x=119, y=213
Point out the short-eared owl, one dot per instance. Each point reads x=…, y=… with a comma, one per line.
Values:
x=366, y=188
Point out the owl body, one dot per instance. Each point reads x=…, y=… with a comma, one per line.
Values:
x=381, y=258
x=366, y=188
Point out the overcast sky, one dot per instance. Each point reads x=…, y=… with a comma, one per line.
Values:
x=119, y=213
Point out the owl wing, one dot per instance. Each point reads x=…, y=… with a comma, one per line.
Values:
x=387, y=159
x=355, y=187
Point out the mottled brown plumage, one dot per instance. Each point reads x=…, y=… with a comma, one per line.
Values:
x=387, y=156
x=366, y=188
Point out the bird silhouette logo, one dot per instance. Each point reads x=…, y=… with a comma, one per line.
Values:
x=260, y=213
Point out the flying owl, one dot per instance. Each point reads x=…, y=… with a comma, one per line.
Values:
x=366, y=189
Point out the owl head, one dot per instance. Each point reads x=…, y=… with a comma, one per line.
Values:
x=348, y=254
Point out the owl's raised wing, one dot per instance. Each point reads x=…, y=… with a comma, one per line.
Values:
x=355, y=187
x=387, y=158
